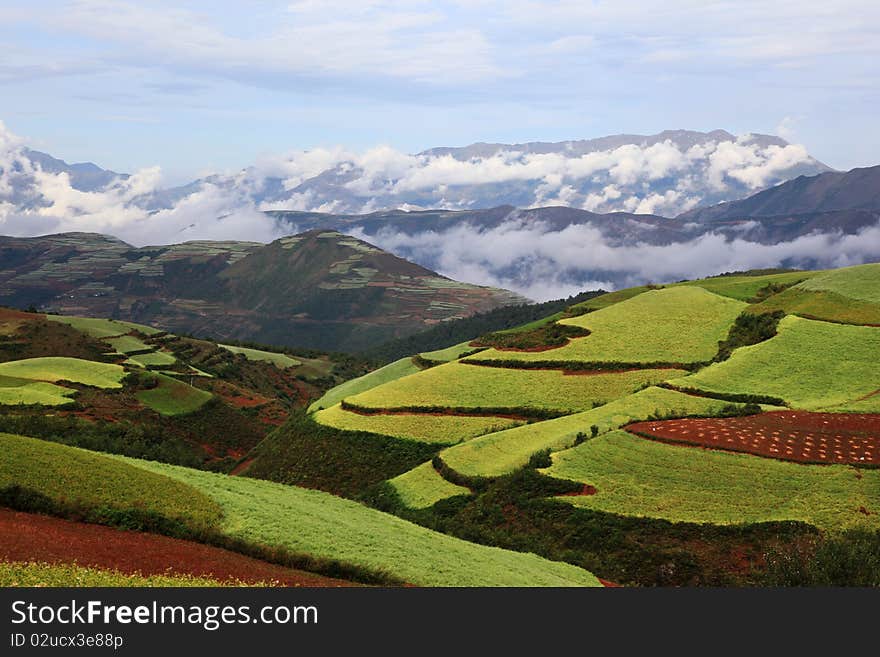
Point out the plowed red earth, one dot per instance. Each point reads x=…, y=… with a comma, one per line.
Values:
x=32, y=537
x=787, y=435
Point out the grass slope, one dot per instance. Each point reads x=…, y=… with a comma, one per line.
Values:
x=90, y=480
x=423, y=486
x=390, y=372
x=103, y=328
x=322, y=525
x=280, y=360
x=809, y=364
x=128, y=344
x=152, y=359
x=458, y=385
x=503, y=452
x=672, y=325
x=850, y=295
x=449, y=353
x=58, y=368
x=173, y=397
x=745, y=287
x=861, y=283
x=638, y=477
x=436, y=429
x=15, y=391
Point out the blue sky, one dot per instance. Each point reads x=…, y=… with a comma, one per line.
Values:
x=203, y=86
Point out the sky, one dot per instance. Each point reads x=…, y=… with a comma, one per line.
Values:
x=197, y=87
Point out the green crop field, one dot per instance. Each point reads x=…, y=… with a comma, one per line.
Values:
x=24, y=391
x=72, y=475
x=869, y=404
x=173, y=397
x=638, y=477
x=423, y=486
x=609, y=299
x=152, y=359
x=128, y=344
x=449, y=353
x=425, y=428
x=673, y=325
x=56, y=575
x=322, y=525
x=821, y=304
x=390, y=372
x=861, y=282
x=850, y=295
x=57, y=368
x=746, y=287
x=809, y=364
x=500, y=453
x=103, y=328
x=279, y=360
x=457, y=385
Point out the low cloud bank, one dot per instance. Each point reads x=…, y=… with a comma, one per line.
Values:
x=544, y=264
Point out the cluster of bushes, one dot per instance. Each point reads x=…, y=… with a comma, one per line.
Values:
x=770, y=289
x=580, y=366
x=524, y=412
x=145, y=441
x=748, y=329
x=849, y=559
x=303, y=452
x=736, y=398
x=544, y=337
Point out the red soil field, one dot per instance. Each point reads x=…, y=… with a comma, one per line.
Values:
x=32, y=537
x=787, y=435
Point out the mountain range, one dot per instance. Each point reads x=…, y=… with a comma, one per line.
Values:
x=666, y=173
x=320, y=289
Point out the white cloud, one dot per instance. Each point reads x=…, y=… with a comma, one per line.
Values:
x=544, y=264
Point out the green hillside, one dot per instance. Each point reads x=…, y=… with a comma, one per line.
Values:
x=673, y=325
x=503, y=459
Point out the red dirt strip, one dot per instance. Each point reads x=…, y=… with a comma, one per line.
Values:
x=852, y=438
x=32, y=537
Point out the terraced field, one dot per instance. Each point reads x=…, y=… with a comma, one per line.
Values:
x=859, y=282
x=58, y=368
x=31, y=537
x=423, y=486
x=637, y=477
x=747, y=287
x=499, y=453
x=278, y=359
x=71, y=475
x=173, y=397
x=810, y=364
x=128, y=344
x=787, y=435
x=103, y=328
x=425, y=428
x=848, y=295
x=672, y=325
x=391, y=372
x=300, y=520
x=449, y=353
x=152, y=360
x=461, y=386
x=15, y=391
x=319, y=524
